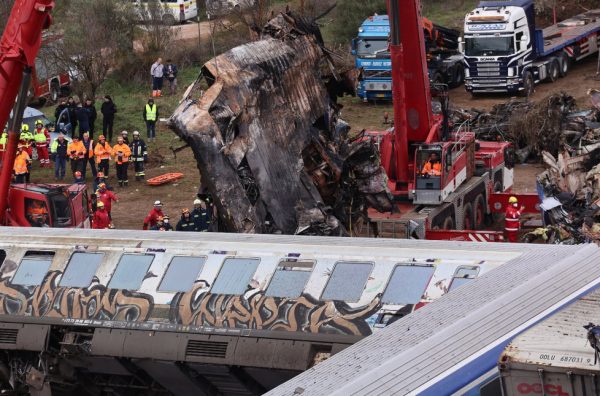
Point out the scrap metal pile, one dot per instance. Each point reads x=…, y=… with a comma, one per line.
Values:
x=270, y=146
x=567, y=141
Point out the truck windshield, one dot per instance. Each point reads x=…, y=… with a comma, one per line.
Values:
x=60, y=210
x=373, y=48
x=489, y=46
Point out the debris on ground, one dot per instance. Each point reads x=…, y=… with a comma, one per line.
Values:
x=550, y=125
x=269, y=143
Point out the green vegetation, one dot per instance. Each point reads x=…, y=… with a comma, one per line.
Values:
x=450, y=14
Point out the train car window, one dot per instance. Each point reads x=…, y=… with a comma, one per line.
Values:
x=347, y=281
x=81, y=269
x=181, y=274
x=462, y=276
x=33, y=268
x=235, y=276
x=289, y=279
x=130, y=272
x=407, y=284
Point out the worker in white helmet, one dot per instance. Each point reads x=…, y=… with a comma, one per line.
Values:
x=152, y=219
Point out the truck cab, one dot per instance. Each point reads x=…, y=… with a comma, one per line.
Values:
x=372, y=57
x=44, y=205
x=497, y=46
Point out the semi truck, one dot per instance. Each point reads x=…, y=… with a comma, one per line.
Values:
x=372, y=56
x=555, y=356
x=505, y=52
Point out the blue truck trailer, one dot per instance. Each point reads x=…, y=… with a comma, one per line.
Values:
x=505, y=52
x=372, y=57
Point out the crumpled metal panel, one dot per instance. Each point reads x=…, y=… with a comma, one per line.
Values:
x=267, y=101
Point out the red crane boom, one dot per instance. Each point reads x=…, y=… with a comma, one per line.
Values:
x=19, y=46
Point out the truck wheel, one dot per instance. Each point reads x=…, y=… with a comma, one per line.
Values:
x=565, y=65
x=54, y=91
x=459, y=76
x=169, y=19
x=468, y=223
x=479, y=213
x=448, y=223
x=553, y=71
x=528, y=85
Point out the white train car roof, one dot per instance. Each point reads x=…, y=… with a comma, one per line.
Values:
x=453, y=343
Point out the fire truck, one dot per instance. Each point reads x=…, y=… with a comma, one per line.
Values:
x=473, y=179
x=45, y=205
x=49, y=80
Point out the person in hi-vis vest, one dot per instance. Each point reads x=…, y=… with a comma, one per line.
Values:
x=150, y=117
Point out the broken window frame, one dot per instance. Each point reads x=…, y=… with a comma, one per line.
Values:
x=41, y=257
x=355, y=297
x=72, y=281
x=176, y=278
x=285, y=267
x=465, y=279
x=219, y=287
x=403, y=280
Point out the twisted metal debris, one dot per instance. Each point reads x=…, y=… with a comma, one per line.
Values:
x=268, y=141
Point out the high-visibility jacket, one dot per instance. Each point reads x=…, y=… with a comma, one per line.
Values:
x=139, y=150
x=41, y=137
x=26, y=138
x=76, y=150
x=121, y=152
x=512, y=221
x=3, y=140
x=151, y=112
x=60, y=148
x=107, y=197
x=21, y=161
x=433, y=169
x=102, y=151
x=100, y=220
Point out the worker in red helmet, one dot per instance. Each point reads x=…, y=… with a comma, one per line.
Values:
x=512, y=220
x=152, y=219
x=101, y=219
x=107, y=197
x=78, y=178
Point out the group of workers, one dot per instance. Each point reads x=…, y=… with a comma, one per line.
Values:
x=197, y=220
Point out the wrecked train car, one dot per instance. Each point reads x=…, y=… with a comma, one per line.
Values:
x=270, y=147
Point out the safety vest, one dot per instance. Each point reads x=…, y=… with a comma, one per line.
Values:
x=3, y=140
x=26, y=137
x=40, y=139
x=76, y=150
x=151, y=112
x=20, y=166
x=512, y=221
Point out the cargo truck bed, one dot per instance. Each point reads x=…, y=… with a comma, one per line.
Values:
x=570, y=31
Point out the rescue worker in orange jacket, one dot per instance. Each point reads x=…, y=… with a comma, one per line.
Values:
x=76, y=153
x=433, y=166
x=21, y=165
x=41, y=138
x=512, y=220
x=101, y=219
x=121, y=153
x=102, y=151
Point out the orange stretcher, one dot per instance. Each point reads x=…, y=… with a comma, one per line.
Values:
x=163, y=179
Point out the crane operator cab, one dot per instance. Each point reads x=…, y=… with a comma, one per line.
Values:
x=430, y=174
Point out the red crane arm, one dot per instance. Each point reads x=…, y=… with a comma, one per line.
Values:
x=413, y=118
x=19, y=46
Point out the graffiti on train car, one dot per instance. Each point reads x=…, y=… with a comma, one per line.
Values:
x=95, y=302
x=254, y=310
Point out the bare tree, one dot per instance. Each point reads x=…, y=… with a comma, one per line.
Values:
x=95, y=34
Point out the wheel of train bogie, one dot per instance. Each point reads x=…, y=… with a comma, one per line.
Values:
x=479, y=213
x=468, y=217
x=448, y=223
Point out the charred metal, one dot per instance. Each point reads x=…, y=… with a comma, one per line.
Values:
x=270, y=145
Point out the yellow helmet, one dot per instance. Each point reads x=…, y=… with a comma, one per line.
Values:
x=513, y=200
x=39, y=122
x=25, y=128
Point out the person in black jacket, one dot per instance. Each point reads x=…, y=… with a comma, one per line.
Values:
x=83, y=119
x=92, y=115
x=108, y=117
x=72, y=106
x=170, y=72
x=59, y=109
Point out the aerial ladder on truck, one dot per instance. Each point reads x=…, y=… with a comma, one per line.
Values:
x=472, y=180
x=42, y=205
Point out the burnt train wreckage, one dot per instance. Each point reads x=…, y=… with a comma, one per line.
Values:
x=270, y=146
x=92, y=312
